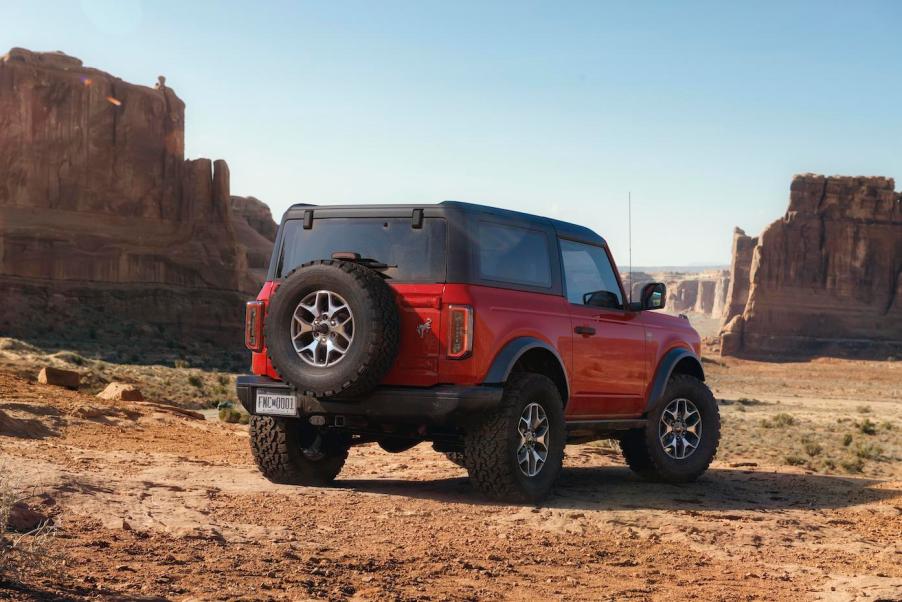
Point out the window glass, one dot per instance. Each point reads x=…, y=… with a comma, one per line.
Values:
x=514, y=255
x=589, y=276
x=412, y=254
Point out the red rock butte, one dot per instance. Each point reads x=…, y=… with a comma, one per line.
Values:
x=100, y=210
x=825, y=278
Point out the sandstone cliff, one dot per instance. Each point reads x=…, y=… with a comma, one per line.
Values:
x=825, y=278
x=98, y=205
x=256, y=232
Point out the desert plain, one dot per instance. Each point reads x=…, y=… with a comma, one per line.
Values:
x=803, y=502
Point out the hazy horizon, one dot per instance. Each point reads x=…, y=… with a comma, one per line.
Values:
x=702, y=111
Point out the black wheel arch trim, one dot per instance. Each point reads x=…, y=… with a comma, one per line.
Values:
x=665, y=369
x=513, y=350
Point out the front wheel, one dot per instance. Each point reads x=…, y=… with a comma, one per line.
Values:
x=291, y=452
x=515, y=453
x=681, y=436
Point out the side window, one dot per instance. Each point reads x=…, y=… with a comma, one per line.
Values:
x=589, y=276
x=514, y=255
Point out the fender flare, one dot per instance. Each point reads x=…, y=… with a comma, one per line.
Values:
x=512, y=351
x=665, y=370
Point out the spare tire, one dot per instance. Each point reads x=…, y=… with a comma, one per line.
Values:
x=332, y=329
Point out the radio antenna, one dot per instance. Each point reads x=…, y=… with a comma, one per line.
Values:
x=629, y=227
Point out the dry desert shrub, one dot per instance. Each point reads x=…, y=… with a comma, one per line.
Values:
x=24, y=554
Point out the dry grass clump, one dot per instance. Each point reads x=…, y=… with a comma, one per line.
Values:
x=780, y=420
x=866, y=426
x=24, y=554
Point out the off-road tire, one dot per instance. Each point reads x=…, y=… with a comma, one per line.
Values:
x=376, y=329
x=278, y=447
x=642, y=448
x=491, y=444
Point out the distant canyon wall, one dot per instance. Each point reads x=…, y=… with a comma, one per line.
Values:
x=823, y=279
x=687, y=292
x=98, y=201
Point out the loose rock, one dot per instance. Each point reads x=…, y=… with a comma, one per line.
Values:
x=59, y=377
x=121, y=392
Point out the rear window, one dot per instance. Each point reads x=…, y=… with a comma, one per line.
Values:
x=412, y=254
x=514, y=255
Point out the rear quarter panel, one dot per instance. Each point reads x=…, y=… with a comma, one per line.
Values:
x=502, y=315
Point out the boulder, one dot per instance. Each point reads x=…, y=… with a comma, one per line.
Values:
x=825, y=278
x=121, y=392
x=58, y=377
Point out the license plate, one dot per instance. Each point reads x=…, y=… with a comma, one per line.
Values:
x=276, y=403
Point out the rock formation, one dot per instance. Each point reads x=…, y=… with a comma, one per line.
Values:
x=825, y=278
x=256, y=231
x=100, y=213
x=738, y=291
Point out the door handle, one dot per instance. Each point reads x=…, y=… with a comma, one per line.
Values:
x=586, y=331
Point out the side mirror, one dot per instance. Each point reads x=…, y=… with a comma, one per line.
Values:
x=654, y=295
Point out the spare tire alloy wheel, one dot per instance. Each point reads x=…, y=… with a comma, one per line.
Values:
x=322, y=328
x=332, y=329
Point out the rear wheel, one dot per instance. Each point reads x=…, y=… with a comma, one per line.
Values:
x=681, y=436
x=292, y=452
x=515, y=453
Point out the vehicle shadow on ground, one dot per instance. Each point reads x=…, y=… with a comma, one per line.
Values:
x=616, y=488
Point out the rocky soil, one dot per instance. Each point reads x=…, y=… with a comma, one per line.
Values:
x=153, y=505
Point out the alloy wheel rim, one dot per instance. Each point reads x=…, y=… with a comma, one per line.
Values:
x=322, y=328
x=532, y=452
x=680, y=429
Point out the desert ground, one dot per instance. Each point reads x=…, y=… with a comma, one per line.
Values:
x=804, y=502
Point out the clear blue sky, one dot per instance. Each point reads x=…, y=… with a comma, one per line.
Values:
x=703, y=110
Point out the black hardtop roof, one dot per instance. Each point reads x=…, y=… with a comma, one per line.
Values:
x=445, y=209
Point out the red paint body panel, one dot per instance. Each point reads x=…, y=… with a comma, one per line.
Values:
x=610, y=373
x=610, y=367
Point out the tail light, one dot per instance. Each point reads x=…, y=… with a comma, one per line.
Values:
x=253, y=326
x=460, y=331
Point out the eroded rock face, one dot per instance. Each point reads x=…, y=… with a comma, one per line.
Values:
x=256, y=231
x=824, y=279
x=96, y=196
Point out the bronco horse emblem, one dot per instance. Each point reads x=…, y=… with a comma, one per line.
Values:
x=425, y=327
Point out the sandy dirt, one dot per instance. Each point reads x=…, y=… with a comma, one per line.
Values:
x=153, y=505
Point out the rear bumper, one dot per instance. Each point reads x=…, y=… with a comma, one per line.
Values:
x=441, y=404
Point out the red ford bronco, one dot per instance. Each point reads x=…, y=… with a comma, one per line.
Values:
x=495, y=335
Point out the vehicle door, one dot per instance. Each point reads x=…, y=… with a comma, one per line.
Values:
x=609, y=363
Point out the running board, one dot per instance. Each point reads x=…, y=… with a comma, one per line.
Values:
x=578, y=428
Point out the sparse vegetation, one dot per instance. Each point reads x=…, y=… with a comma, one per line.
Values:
x=847, y=440
x=794, y=460
x=855, y=465
x=868, y=451
x=196, y=381
x=867, y=427
x=780, y=420
x=813, y=448
x=23, y=554
x=745, y=401
x=864, y=409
